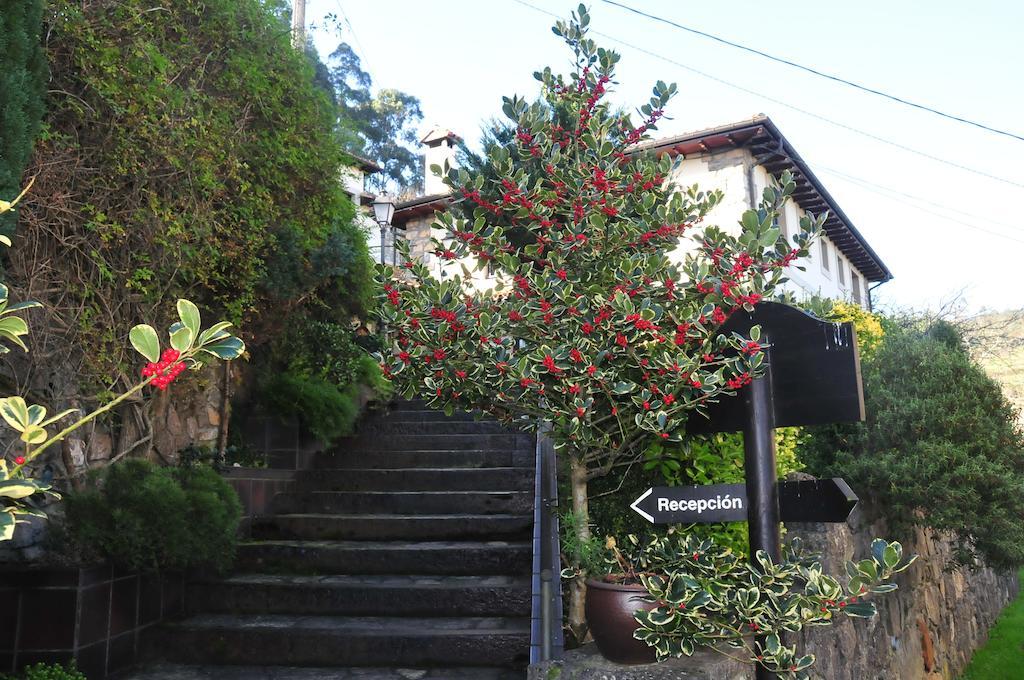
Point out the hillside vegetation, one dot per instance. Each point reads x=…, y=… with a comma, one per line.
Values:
x=997, y=343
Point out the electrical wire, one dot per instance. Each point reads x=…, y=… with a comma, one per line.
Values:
x=355, y=37
x=941, y=206
x=816, y=72
x=792, y=107
x=884, y=193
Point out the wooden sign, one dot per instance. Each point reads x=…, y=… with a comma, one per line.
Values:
x=813, y=500
x=814, y=372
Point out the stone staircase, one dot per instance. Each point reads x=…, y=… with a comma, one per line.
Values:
x=403, y=553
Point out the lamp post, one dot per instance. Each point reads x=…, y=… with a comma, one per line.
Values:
x=383, y=212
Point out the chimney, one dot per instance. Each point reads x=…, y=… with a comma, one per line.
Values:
x=440, y=147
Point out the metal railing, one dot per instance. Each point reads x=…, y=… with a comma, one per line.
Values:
x=546, y=639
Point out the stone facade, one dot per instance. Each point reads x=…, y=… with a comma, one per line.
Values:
x=188, y=415
x=929, y=628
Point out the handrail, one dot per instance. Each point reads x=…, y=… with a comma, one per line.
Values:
x=546, y=639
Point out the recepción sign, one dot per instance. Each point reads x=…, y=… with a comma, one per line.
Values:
x=812, y=500
x=692, y=504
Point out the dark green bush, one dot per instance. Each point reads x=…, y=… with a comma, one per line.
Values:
x=188, y=152
x=327, y=410
x=22, y=92
x=141, y=516
x=940, y=447
x=48, y=671
x=314, y=372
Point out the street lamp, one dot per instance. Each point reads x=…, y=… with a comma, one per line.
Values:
x=383, y=212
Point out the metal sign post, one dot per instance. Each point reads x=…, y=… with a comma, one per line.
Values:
x=811, y=377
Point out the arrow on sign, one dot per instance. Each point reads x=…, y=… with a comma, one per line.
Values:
x=635, y=505
x=814, y=500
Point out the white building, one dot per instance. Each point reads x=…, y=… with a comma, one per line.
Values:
x=737, y=159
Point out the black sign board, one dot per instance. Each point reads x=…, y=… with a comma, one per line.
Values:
x=693, y=504
x=816, y=500
x=812, y=500
x=814, y=371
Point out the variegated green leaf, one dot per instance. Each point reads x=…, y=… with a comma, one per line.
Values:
x=18, y=488
x=15, y=412
x=145, y=341
x=226, y=349
x=34, y=434
x=36, y=414
x=57, y=417
x=181, y=339
x=189, y=315
x=215, y=332
x=7, y=523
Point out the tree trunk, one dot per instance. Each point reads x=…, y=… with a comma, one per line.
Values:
x=580, y=508
x=225, y=411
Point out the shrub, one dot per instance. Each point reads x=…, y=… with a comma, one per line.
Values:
x=48, y=671
x=22, y=91
x=327, y=410
x=141, y=516
x=940, y=447
x=592, y=326
x=314, y=372
x=187, y=151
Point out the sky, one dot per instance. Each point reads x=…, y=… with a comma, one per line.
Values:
x=943, y=231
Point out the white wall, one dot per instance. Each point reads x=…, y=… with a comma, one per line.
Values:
x=732, y=172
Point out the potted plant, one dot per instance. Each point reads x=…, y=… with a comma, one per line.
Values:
x=613, y=599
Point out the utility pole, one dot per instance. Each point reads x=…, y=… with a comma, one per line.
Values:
x=299, y=24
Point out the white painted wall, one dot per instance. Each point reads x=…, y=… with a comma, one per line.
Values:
x=732, y=172
x=741, y=181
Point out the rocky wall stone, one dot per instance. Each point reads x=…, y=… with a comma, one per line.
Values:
x=929, y=628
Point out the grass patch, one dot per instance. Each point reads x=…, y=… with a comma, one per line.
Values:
x=1003, y=654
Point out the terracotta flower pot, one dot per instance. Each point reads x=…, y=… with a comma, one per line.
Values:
x=609, y=609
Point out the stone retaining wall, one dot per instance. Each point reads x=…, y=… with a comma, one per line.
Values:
x=927, y=629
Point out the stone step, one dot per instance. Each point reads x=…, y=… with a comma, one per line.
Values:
x=166, y=671
x=388, y=527
x=363, y=595
x=423, y=502
x=469, y=458
x=455, y=558
x=284, y=640
x=373, y=443
x=391, y=425
x=409, y=405
x=418, y=479
x=427, y=415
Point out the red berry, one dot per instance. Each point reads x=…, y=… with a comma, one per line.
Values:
x=19, y=460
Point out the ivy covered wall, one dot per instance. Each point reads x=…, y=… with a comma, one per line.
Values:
x=186, y=151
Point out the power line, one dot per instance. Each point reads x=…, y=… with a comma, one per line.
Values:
x=355, y=37
x=769, y=98
x=815, y=72
x=881, y=191
x=941, y=206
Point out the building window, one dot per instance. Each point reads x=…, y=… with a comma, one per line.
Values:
x=855, y=284
x=782, y=222
x=840, y=270
x=826, y=266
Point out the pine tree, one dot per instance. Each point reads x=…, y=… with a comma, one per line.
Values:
x=595, y=324
x=22, y=83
